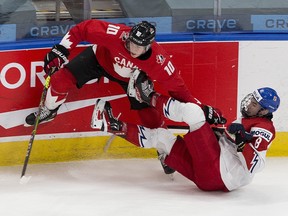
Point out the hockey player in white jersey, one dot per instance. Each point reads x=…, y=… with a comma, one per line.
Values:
x=214, y=159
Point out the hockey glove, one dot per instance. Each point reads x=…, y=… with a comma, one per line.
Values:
x=56, y=57
x=140, y=87
x=238, y=135
x=213, y=115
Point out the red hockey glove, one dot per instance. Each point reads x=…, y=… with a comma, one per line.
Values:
x=213, y=115
x=56, y=57
x=241, y=137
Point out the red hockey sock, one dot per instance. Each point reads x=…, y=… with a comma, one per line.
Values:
x=62, y=81
x=132, y=134
x=151, y=117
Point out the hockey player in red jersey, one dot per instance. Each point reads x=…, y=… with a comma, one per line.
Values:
x=117, y=51
x=214, y=159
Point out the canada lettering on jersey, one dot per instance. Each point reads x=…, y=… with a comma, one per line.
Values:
x=117, y=62
x=261, y=132
x=123, y=67
x=124, y=62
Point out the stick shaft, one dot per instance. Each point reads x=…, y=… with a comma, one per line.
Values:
x=36, y=123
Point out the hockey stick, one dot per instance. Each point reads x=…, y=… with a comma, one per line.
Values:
x=108, y=143
x=36, y=123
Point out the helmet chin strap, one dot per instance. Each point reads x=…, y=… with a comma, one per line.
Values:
x=147, y=47
x=127, y=45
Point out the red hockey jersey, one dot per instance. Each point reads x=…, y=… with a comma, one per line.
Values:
x=109, y=40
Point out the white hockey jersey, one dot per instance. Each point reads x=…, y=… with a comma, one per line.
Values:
x=236, y=168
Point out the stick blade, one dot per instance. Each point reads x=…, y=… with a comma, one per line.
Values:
x=24, y=180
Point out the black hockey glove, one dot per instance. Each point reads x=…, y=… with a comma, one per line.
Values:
x=241, y=136
x=144, y=87
x=213, y=115
x=56, y=57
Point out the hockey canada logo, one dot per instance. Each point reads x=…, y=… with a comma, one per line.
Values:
x=260, y=132
x=160, y=59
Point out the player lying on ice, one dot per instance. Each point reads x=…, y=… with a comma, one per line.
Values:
x=221, y=159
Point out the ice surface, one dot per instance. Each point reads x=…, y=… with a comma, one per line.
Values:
x=134, y=187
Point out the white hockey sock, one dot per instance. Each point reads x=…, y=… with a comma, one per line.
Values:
x=55, y=100
x=161, y=139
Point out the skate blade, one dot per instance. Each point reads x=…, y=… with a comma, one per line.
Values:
x=117, y=133
x=28, y=125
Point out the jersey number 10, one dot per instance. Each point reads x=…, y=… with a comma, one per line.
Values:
x=169, y=68
x=112, y=29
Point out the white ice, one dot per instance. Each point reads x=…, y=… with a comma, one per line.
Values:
x=134, y=187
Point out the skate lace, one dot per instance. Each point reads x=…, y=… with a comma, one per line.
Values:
x=115, y=124
x=45, y=112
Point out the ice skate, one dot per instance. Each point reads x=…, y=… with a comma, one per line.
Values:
x=167, y=170
x=104, y=120
x=46, y=115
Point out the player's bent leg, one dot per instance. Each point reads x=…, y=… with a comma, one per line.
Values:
x=161, y=139
x=48, y=111
x=144, y=137
x=180, y=159
x=81, y=69
x=104, y=120
x=152, y=118
x=57, y=93
x=204, y=150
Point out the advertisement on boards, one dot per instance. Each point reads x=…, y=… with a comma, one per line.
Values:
x=209, y=69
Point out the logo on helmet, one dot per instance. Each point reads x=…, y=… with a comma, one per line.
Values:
x=138, y=33
x=257, y=96
x=143, y=34
x=267, y=98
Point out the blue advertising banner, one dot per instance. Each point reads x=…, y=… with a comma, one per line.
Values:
x=7, y=32
x=227, y=23
x=59, y=29
x=163, y=24
x=275, y=23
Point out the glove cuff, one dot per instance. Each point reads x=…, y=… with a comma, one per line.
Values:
x=62, y=49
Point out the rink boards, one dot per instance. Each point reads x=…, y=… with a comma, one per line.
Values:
x=218, y=73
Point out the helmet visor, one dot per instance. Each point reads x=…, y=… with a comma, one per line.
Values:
x=135, y=49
